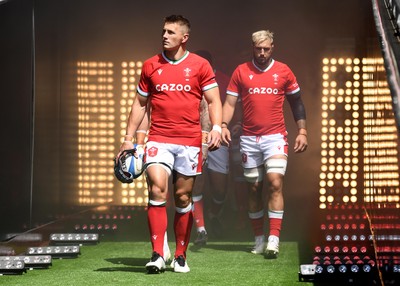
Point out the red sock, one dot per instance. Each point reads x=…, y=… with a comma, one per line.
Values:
x=275, y=222
x=183, y=225
x=257, y=222
x=157, y=221
x=198, y=211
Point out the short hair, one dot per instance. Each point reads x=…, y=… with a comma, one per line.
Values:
x=261, y=36
x=179, y=19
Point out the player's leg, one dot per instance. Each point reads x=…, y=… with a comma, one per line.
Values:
x=166, y=250
x=237, y=184
x=254, y=178
x=198, y=210
x=275, y=168
x=157, y=176
x=218, y=170
x=253, y=172
x=184, y=178
x=241, y=198
x=218, y=189
x=183, y=220
x=157, y=215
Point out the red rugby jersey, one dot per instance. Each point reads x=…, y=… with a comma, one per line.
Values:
x=175, y=89
x=263, y=94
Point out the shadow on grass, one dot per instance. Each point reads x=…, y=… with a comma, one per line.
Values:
x=134, y=265
x=222, y=247
x=140, y=269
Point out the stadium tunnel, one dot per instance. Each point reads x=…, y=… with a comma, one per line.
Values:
x=70, y=70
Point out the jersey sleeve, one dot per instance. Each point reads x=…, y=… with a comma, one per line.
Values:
x=234, y=86
x=144, y=87
x=291, y=85
x=207, y=80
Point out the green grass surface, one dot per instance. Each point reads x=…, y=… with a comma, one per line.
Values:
x=122, y=263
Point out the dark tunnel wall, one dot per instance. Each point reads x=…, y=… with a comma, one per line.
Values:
x=16, y=103
x=67, y=31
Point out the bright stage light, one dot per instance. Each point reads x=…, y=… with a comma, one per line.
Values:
x=71, y=251
x=354, y=268
x=343, y=268
x=330, y=269
x=11, y=267
x=31, y=262
x=396, y=268
x=307, y=272
x=367, y=268
x=74, y=238
x=307, y=269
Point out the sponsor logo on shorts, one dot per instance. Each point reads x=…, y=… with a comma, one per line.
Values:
x=244, y=158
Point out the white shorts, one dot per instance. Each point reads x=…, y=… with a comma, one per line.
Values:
x=183, y=159
x=218, y=160
x=255, y=150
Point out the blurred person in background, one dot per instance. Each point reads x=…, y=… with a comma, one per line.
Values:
x=215, y=177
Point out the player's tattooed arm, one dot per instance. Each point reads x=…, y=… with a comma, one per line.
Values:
x=204, y=116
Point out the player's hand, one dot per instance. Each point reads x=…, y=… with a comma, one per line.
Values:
x=226, y=136
x=214, y=140
x=126, y=145
x=300, y=144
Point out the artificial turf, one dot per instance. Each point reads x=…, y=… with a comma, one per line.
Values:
x=122, y=263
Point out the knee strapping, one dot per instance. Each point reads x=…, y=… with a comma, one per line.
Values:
x=184, y=210
x=276, y=166
x=157, y=204
x=253, y=175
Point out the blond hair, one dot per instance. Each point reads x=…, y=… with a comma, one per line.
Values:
x=261, y=36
